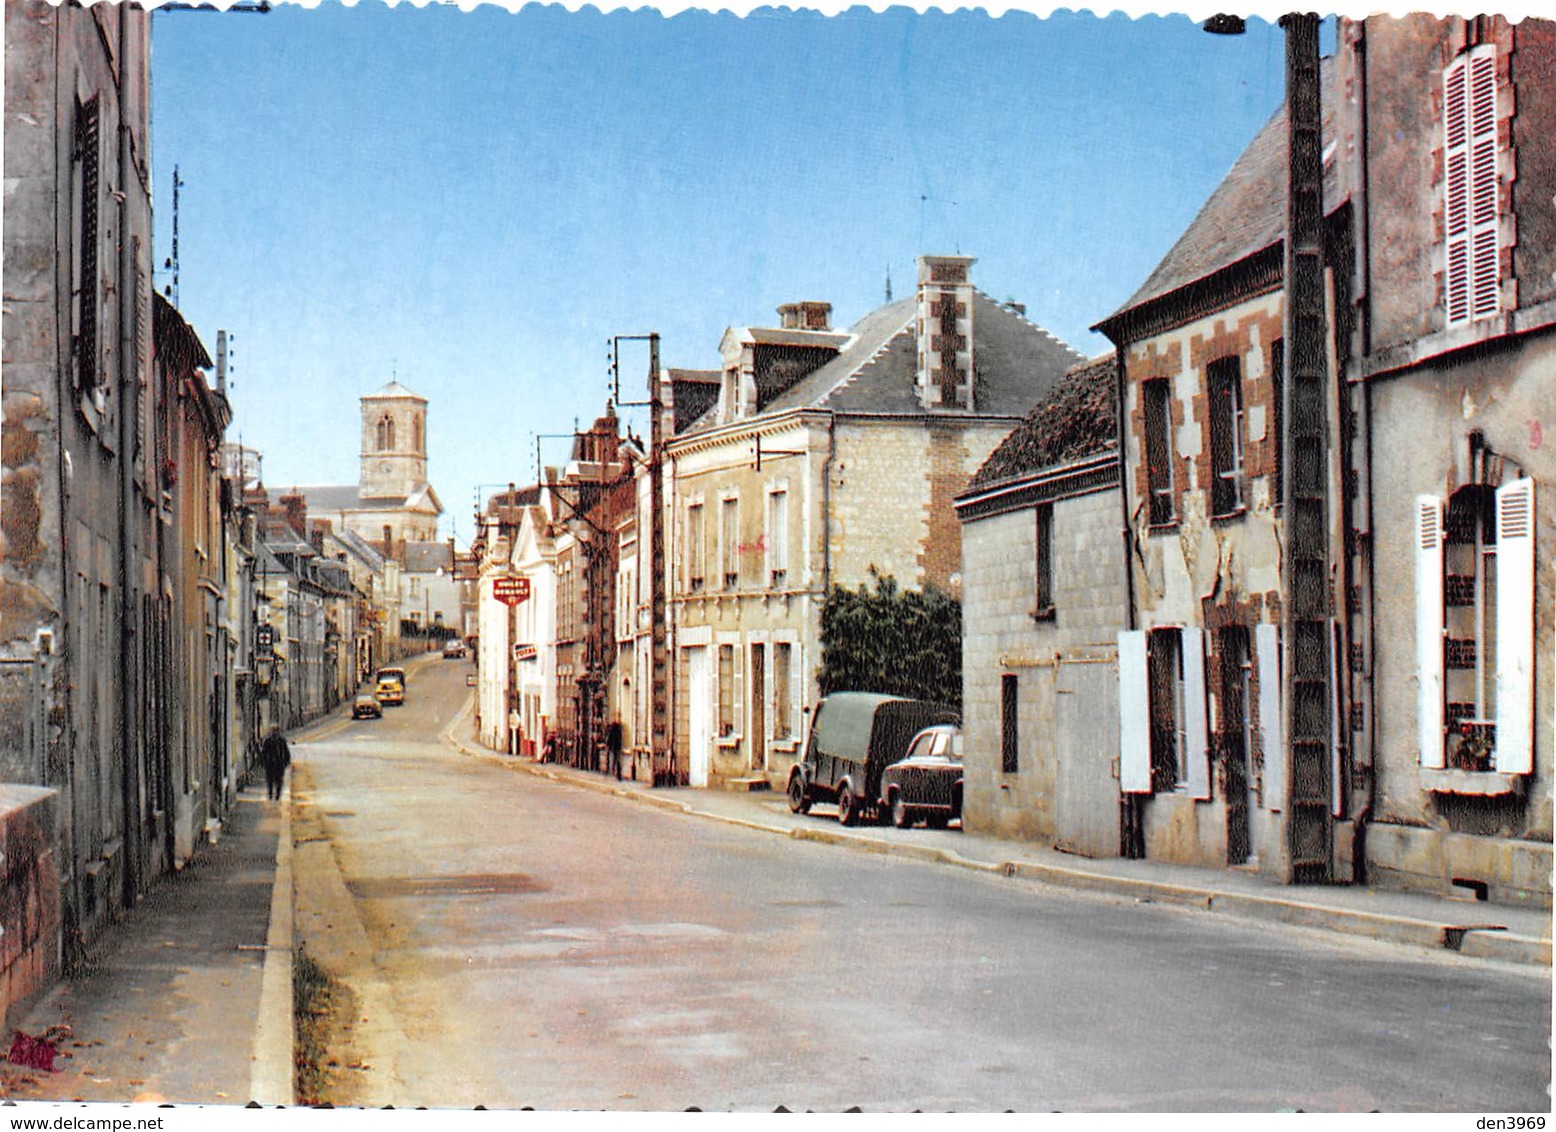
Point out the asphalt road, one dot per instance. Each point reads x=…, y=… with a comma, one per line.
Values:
x=511, y=941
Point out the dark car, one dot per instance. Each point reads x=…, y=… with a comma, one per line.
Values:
x=366, y=707
x=927, y=784
x=854, y=736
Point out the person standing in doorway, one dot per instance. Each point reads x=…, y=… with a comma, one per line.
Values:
x=276, y=757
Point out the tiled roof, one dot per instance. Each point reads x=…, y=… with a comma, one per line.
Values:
x=1247, y=211
x=395, y=389
x=1078, y=418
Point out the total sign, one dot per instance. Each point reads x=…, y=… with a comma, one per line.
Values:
x=510, y=590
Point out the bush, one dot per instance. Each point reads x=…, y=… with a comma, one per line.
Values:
x=893, y=641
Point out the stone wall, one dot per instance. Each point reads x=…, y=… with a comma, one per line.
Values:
x=29, y=897
x=1002, y=637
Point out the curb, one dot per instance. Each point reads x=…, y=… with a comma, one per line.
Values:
x=1471, y=941
x=270, y=1082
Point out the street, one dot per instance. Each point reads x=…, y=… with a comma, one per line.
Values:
x=510, y=941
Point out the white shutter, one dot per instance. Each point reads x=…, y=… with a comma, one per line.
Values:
x=1271, y=723
x=1456, y=188
x=1196, y=733
x=1470, y=185
x=1429, y=629
x=1515, y=627
x=1134, y=722
x=737, y=702
x=1482, y=115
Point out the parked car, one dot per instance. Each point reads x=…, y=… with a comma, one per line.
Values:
x=927, y=784
x=454, y=649
x=391, y=686
x=366, y=707
x=853, y=737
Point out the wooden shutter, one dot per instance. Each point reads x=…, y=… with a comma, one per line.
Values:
x=796, y=693
x=1515, y=627
x=1482, y=112
x=737, y=705
x=1272, y=728
x=1470, y=185
x=1196, y=732
x=1429, y=629
x=1134, y=724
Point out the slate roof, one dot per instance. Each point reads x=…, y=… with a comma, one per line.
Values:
x=1246, y=213
x=1078, y=418
x=360, y=547
x=695, y=392
x=423, y=557
x=330, y=497
x=1015, y=360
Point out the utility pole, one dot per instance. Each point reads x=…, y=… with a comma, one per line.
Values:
x=1309, y=612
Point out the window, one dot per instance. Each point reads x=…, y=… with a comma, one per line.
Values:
x=416, y=445
x=1470, y=184
x=1475, y=627
x=1277, y=426
x=783, y=690
x=1009, y=730
x=729, y=541
x=1158, y=450
x=1224, y=380
x=695, y=547
x=729, y=692
x=84, y=181
x=386, y=433
x=778, y=538
x=1044, y=565
x=1162, y=717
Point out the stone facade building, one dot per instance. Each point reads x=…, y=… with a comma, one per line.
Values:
x=1438, y=168
x=827, y=455
x=1044, y=594
x=1452, y=381
x=83, y=610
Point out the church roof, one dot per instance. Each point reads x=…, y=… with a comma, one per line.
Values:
x=394, y=390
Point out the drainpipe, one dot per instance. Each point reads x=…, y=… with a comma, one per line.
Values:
x=1362, y=347
x=826, y=507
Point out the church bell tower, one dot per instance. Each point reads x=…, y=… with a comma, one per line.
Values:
x=394, y=443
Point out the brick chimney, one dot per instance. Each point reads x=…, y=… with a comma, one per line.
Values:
x=805, y=315
x=296, y=508
x=945, y=332
x=317, y=530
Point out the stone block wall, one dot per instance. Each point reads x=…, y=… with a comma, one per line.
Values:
x=29, y=896
x=1001, y=637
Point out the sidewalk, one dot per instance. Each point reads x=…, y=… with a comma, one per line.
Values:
x=1473, y=930
x=189, y=998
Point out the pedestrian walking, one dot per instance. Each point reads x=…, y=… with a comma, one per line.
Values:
x=276, y=757
x=613, y=745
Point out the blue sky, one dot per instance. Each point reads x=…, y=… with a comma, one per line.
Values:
x=475, y=202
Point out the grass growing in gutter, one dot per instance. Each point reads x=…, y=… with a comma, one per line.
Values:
x=313, y=993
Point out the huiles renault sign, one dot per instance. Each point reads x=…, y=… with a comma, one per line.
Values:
x=511, y=590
